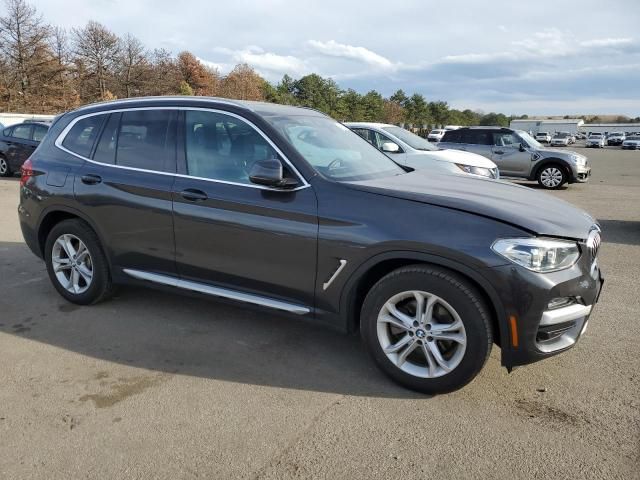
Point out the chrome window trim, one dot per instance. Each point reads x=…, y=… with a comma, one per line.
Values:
x=218, y=291
x=116, y=103
x=63, y=134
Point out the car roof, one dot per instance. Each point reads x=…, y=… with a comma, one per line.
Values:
x=36, y=122
x=485, y=127
x=260, y=108
x=368, y=124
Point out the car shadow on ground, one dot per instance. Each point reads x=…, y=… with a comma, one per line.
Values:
x=625, y=232
x=188, y=335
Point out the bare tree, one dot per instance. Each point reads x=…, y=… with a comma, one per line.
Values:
x=23, y=43
x=133, y=67
x=96, y=50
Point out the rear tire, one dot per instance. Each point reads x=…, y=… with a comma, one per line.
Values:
x=76, y=263
x=552, y=176
x=445, y=346
x=5, y=171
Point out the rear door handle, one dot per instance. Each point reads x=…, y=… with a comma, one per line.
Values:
x=499, y=152
x=91, y=179
x=194, y=195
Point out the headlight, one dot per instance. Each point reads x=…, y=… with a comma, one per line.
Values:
x=538, y=254
x=483, y=172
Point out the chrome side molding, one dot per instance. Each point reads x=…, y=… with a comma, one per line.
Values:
x=217, y=291
x=328, y=283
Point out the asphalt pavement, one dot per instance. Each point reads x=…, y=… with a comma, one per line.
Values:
x=153, y=384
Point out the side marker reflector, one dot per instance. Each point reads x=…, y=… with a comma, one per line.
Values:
x=513, y=323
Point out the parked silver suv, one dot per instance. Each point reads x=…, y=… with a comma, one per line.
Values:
x=518, y=155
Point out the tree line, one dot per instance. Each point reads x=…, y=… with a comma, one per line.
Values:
x=47, y=69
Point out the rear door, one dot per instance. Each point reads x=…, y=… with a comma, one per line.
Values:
x=19, y=145
x=125, y=186
x=477, y=141
x=230, y=232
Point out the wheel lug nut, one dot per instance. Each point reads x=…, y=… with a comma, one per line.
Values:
x=428, y=326
x=429, y=339
x=415, y=324
x=411, y=334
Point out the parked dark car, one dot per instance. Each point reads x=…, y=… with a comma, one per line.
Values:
x=287, y=209
x=17, y=142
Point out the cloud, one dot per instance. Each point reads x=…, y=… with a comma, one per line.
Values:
x=607, y=42
x=361, y=54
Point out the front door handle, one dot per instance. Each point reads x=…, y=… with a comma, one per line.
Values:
x=499, y=152
x=194, y=195
x=91, y=179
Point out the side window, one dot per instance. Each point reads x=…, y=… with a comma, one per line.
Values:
x=83, y=134
x=222, y=147
x=22, y=131
x=106, y=149
x=451, y=136
x=146, y=139
x=366, y=134
x=505, y=139
x=481, y=137
x=39, y=131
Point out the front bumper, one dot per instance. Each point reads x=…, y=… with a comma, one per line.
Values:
x=631, y=147
x=533, y=330
x=580, y=174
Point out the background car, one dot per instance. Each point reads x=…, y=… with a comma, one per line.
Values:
x=436, y=135
x=616, y=138
x=17, y=143
x=631, y=143
x=595, y=140
x=409, y=149
x=561, y=139
x=519, y=155
x=543, y=137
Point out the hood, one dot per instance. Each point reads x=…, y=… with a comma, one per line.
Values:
x=556, y=152
x=458, y=156
x=537, y=212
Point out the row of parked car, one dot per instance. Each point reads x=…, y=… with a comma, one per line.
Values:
x=18, y=142
x=628, y=141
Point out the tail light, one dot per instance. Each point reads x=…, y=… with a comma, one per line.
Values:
x=26, y=171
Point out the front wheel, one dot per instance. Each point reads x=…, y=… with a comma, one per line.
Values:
x=427, y=328
x=552, y=177
x=5, y=171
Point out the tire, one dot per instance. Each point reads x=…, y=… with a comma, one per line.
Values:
x=5, y=170
x=552, y=176
x=452, y=293
x=100, y=286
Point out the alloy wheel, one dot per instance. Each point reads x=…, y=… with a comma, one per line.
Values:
x=421, y=334
x=551, y=177
x=72, y=264
x=3, y=166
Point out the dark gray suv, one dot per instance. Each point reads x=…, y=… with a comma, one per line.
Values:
x=286, y=209
x=519, y=155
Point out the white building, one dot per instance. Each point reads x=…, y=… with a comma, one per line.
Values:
x=610, y=127
x=11, y=118
x=536, y=125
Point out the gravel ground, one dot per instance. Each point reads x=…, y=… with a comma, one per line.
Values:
x=156, y=385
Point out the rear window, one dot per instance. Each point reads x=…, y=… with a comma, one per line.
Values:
x=83, y=134
x=452, y=136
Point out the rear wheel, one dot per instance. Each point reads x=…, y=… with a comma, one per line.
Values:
x=77, y=266
x=5, y=171
x=426, y=328
x=552, y=176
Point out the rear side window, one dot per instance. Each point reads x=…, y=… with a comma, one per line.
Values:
x=22, y=131
x=106, y=149
x=39, y=131
x=480, y=137
x=82, y=135
x=452, y=136
x=146, y=140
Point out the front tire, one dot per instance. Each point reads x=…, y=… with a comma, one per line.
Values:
x=427, y=328
x=552, y=176
x=5, y=171
x=76, y=263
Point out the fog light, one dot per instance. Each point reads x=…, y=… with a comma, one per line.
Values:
x=560, y=302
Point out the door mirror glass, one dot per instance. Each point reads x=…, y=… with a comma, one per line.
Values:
x=390, y=147
x=270, y=173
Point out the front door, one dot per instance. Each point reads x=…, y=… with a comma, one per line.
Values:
x=231, y=233
x=507, y=155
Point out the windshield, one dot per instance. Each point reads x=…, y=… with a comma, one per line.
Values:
x=596, y=135
x=528, y=139
x=561, y=135
x=334, y=150
x=411, y=139
x=634, y=137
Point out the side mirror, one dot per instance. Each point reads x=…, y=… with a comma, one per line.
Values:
x=271, y=174
x=522, y=147
x=390, y=147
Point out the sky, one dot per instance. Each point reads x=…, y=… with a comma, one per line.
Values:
x=536, y=57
